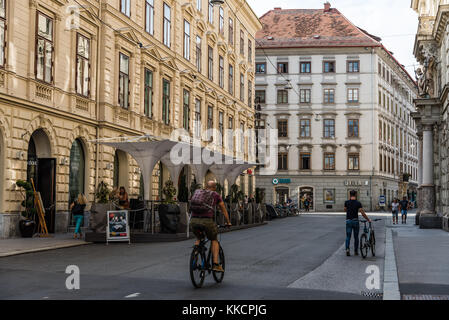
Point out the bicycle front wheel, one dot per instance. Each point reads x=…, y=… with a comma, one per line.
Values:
x=364, y=245
x=373, y=244
x=197, y=268
x=218, y=276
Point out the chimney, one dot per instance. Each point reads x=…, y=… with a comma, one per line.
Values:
x=277, y=8
x=327, y=6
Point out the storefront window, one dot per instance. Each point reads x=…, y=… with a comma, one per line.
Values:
x=77, y=167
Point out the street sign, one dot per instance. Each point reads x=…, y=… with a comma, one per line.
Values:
x=382, y=201
x=118, y=226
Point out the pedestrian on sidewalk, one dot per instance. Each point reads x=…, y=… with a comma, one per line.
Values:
x=77, y=209
x=352, y=209
x=404, y=205
x=395, y=210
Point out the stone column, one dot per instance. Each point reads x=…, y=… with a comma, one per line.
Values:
x=420, y=172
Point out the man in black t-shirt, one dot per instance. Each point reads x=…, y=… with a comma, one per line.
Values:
x=352, y=209
x=404, y=205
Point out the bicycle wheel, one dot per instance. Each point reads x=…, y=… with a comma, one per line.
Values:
x=373, y=244
x=197, y=268
x=364, y=245
x=218, y=276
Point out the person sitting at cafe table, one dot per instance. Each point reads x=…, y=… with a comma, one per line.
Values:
x=123, y=200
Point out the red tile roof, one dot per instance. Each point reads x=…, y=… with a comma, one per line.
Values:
x=291, y=28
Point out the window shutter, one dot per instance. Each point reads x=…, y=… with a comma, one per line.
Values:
x=52, y=63
x=129, y=93
x=88, y=81
x=151, y=106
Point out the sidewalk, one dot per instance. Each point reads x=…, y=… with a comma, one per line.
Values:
x=422, y=261
x=15, y=246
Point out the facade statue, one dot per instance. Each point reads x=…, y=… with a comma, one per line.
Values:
x=425, y=76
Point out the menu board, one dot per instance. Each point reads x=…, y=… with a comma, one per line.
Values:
x=118, y=226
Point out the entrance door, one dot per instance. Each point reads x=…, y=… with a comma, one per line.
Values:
x=282, y=195
x=46, y=185
x=306, y=193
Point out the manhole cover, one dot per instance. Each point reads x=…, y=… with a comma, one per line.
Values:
x=424, y=297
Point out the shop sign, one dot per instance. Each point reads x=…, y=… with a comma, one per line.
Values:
x=277, y=181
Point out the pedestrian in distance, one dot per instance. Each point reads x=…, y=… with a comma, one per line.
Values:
x=404, y=205
x=352, y=209
x=395, y=210
x=77, y=209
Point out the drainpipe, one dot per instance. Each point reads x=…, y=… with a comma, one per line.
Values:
x=372, y=131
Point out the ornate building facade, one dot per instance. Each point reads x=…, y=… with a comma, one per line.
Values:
x=431, y=50
x=73, y=72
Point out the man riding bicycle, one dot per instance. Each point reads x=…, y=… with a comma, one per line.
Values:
x=203, y=204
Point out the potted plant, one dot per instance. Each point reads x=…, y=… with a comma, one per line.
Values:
x=27, y=225
x=169, y=211
x=99, y=209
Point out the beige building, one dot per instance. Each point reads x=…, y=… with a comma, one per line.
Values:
x=73, y=72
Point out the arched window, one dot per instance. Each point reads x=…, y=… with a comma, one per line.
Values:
x=77, y=170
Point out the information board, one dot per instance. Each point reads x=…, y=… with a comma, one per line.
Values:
x=118, y=226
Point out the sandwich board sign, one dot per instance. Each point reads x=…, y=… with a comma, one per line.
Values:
x=118, y=226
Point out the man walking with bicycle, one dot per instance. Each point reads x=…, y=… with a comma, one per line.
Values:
x=352, y=209
x=203, y=204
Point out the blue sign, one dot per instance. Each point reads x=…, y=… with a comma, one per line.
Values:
x=382, y=201
x=284, y=181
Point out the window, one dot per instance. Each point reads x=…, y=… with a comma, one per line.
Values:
x=166, y=101
x=329, y=161
x=198, y=53
x=123, y=97
x=149, y=16
x=186, y=111
x=305, y=128
x=353, y=161
x=210, y=117
x=242, y=42
x=353, y=66
x=242, y=87
x=282, y=97
x=304, y=161
x=282, y=128
x=198, y=5
x=329, y=95
x=353, y=128
x=221, y=20
x=211, y=13
x=230, y=136
x=197, y=118
x=2, y=32
x=305, y=67
x=353, y=95
x=148, y=97
x=250, y=94
x=305, y=95
x=261, y=68
x=283, y=161
x=231, y=80
x=44, y=51
x=260, y=96
x=210, y=64
x=329, y=66
x=250, y=51
x=186, y=40
x=82, y=66
x=231, y=31
x=282, y=67
x=125, y=7
x=221, y=72
x=167, y=25
x=329, y=128
x=221, y=127
x=242, y=137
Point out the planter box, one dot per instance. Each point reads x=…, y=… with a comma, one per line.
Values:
x=9, y=225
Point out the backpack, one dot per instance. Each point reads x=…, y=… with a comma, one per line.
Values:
x=202, y=202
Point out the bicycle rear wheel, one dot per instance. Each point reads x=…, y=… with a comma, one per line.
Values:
x=197, y=268
x=364, y=245
x=373, y=244
x=218, y=276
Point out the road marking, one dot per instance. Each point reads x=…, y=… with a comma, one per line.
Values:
x=134, y=295
x=391, y=282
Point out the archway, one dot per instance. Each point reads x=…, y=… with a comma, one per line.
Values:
x=307, y=193
x=121, y=170
x=77, y=170
x=41, y=168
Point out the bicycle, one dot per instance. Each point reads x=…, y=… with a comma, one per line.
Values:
x=368, y=239
x=199, y=265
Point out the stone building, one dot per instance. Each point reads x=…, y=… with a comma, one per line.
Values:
x=341, y=103
x=431, y=50
x=72, y=72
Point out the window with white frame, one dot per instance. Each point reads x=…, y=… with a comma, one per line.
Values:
x=82, y=83
x=125, y=7
x=2, y=33
x=167, y=25
x=186, y=40
x=149, y=16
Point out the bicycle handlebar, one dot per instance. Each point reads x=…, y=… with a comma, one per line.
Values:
x=373, y=220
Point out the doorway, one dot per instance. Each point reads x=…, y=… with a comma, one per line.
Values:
x=282, y=194
x=306, y=193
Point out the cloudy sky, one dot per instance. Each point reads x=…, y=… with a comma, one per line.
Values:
x=392, y=20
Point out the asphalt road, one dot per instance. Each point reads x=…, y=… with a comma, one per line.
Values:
x=267, y=262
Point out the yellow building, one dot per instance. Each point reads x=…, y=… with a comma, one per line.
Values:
x=72, y=72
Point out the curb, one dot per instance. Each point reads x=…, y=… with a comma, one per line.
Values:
x=19, y=252
x=391, y=282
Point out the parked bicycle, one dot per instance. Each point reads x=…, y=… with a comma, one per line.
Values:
x=201, y=259
x=368, y=239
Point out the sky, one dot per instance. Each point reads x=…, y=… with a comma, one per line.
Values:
x=392, y=20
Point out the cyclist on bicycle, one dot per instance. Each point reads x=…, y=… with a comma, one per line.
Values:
x=203, y=204
x=352, y=209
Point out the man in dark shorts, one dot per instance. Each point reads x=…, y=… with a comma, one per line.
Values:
x=207, y=220
x=352, y=209
x=404, y=205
